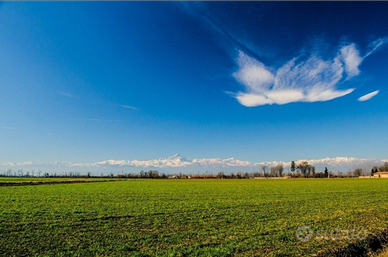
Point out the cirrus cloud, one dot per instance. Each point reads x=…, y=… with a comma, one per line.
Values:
x=311, y=79
x=368, y=96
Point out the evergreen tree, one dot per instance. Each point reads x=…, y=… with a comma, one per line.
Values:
x=326, y=173
x=292, y=166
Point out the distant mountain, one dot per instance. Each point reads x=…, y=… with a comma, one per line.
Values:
x=176, y=163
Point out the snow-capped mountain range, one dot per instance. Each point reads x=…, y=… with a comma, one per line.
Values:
x=177, y=163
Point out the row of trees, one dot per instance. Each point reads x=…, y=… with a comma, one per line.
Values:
x=21, y=173
x=360, y=172
x=302, y=169
x=39, y=173
x=382, y=168
x=373, y=171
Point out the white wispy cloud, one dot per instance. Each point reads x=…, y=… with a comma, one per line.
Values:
x=296, y=81
x=368, y=96
x=129, y=107
x=351, y=59
x=375, y=45
x=67, y=94
x=17, y=164
x=299, y=80
x=310, y=79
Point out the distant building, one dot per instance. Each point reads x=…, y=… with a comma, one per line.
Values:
x=381, y=174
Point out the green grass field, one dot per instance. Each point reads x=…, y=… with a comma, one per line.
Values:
x=48, y=179
x=186, y=217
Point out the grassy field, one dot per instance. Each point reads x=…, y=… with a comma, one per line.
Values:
x=48, y=179
x=187, y=217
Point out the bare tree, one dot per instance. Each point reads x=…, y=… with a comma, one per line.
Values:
x=220, y=175
x=312, y=170
x=357, y=172
x=384, y=167
x=280, y=169
x=303, y=167
x=273, y=171
x=264, y=168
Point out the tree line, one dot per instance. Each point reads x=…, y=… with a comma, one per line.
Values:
x=301, y=170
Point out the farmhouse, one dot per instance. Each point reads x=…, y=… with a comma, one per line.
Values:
x=381, y=174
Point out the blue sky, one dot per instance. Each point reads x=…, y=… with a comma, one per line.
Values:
x=257, y=81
